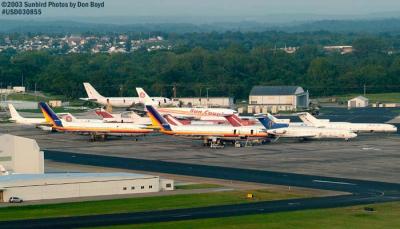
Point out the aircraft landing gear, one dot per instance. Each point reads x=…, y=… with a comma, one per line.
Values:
x=94, y=137
x=216, y=143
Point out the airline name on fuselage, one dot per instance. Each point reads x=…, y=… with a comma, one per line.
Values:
x=205, y=112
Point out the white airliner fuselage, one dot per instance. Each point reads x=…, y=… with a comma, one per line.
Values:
x=354, y=127
x=312, y=133
x=285, y=130
x=92, y=128
x=204, y=114
x=121, y=102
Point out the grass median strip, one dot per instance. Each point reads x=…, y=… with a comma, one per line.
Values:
x=197, y=186
x=141, y=204
x=383, y=216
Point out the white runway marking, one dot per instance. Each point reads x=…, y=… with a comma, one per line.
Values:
x=333, y=182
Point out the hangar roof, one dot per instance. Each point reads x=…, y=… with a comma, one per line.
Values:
x=360, y=98
x=276, y=90
x=18, y=180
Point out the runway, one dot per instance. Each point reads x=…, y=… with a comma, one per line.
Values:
x=360, y=192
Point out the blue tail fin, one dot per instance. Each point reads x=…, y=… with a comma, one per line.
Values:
x=49, y=114
x=269, y=124
x=157, y=119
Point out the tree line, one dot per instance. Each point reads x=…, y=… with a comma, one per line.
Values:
x=228, y=64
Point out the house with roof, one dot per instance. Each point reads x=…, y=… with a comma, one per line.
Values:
x=359, y=101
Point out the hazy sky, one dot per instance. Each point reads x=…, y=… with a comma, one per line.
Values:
x=242, y=9
x=250, y=7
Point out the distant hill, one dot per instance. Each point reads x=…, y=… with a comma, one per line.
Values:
x=368, y=26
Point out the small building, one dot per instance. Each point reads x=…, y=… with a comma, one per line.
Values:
x=73, y=185
x=225, y=102
x=342, y=49
x=20, y=155
x=289, y=50
x=278, y=98
x=55, y=103
x=6, y=90
x=359, y=101
x=19, y=89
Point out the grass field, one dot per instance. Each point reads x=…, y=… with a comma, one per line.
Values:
x=43, y=97
x=27, y=97
x=57, y=110
x=373, y=98
x=197, y=186
x=140, y=204
x=385, y=216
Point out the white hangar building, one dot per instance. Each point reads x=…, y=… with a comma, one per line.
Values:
x=277, y=98
x=22, y=175
x=71, y=185
x=20, y=155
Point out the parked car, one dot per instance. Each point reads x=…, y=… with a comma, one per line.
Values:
x=15, y=199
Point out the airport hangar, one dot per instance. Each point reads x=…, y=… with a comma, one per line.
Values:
x=263, y=99
x=22, y=175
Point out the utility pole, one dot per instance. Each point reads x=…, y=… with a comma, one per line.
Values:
x=121, y=88
x=207, y=96
x=365, y=90
x=174, y=90
x=35, y=92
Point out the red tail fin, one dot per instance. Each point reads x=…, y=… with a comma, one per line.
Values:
x=103, y=113
x=172, y=120
x=234, y=120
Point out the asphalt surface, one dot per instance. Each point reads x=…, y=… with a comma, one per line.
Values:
x=369, y=157
x=361, y=192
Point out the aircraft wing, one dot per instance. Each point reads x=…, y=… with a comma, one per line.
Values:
x=283, y=133
x=88, y=99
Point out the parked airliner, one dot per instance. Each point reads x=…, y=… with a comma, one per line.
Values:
x=17, y=118
x=95, y=129
x=67, y=117
x=209, y=133
x=310, y=120
x=305, y=132
x=122, y=102
x=204, y=114
x=124, y=117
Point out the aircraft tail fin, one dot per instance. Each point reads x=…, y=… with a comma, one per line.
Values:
x=14, y=113
x=157, y=119
x=68, y=117
x=270, y=124
x=234, y=120
x=275, y=119
x=308, y=119
x=103, y=113
x=91, y=92
x=50, y=115
x=144, y=97
x=172, y=120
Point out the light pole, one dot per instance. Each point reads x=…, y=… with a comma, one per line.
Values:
x=207, y=96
